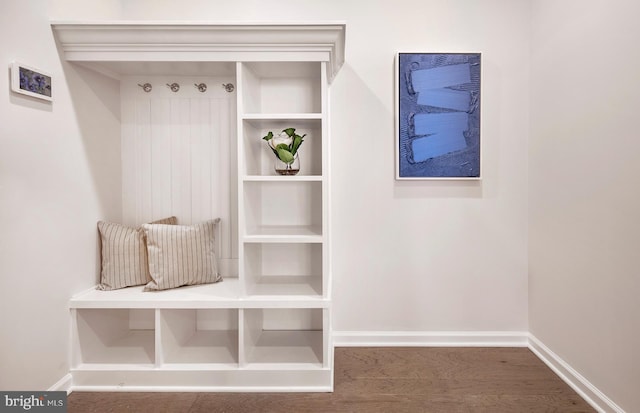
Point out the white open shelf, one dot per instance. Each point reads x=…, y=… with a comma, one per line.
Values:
x=291, y=286
x=258, y=157
x=280, y=209
x=191, y=336
x=274, y=120
x=300, y=348
x=281, y=87
x=284, y=269
x=115, y=337
x=283, y=233
x=278, y=336
x=280, y=178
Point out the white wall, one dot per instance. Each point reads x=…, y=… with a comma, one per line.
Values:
x=59, y=173
x=414, y=256
x=585, y=190
x=429, y=256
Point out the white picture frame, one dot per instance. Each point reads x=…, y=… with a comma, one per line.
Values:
x=30, y=81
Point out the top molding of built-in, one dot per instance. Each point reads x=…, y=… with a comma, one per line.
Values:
x=202, y=42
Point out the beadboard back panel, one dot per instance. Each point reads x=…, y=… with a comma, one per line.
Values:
x=178, y=155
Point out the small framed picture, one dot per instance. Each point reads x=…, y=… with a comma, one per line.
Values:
x=31, y=81
x=438, y=115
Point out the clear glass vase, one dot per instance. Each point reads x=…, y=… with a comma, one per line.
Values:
x=292, y=168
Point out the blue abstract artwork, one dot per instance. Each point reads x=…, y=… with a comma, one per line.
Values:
x=438, y=115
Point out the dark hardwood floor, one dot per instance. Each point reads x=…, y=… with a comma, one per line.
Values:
x=393, y=380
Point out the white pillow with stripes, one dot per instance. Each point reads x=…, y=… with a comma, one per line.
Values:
x=181, y=255
x=124, y=255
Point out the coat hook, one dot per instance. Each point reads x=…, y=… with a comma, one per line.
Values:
x=202, y=87
x=174, y=87
x=228, y=87
x=146, y=87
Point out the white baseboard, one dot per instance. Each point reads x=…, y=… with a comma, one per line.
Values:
x=205, y=389
x=590, y=393
x=430, y=339
x=64, y=384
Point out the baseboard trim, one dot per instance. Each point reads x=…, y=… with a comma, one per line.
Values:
x=64, y=384
x=430, y=339
x=206, y=389
x=590, y=393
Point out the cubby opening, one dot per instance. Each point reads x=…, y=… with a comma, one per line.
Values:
x=258, y=157
x=282, y=87
x=116, y=336
x=283, y=209
x=204, y=336
x=284, y=336
x=283, y=269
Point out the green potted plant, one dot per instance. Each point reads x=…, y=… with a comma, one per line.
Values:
x=285, y=147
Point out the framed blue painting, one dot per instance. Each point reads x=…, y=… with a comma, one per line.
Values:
x=438, y=106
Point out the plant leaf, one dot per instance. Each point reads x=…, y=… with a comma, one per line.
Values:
x=282, y=146
x=289, y=131
x=269, y=136
x=297, y=141
x=284, y=155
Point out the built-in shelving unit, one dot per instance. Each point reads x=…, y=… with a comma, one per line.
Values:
x=283, y=220
x=269, y=328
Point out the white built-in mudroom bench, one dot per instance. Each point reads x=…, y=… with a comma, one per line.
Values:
x=197, y=153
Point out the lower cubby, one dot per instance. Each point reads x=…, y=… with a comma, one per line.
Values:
x=285, y=336
x=115, y=336
x=199, y=336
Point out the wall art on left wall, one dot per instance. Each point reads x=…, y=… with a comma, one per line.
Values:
x=31, y=81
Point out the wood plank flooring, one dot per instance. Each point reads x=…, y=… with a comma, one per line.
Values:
x=394, y=380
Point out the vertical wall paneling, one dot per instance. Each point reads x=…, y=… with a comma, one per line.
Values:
x=142, y=161
x=129, y=157
x=177, y=156
x=180, y=159
x=197, y=150
x=160, y=158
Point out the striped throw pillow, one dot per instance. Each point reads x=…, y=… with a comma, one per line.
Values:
x=181, y=255
x=124, y=255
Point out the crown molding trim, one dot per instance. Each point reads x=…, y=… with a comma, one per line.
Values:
x=202, y=42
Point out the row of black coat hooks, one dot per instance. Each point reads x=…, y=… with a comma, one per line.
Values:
x=175, y=87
